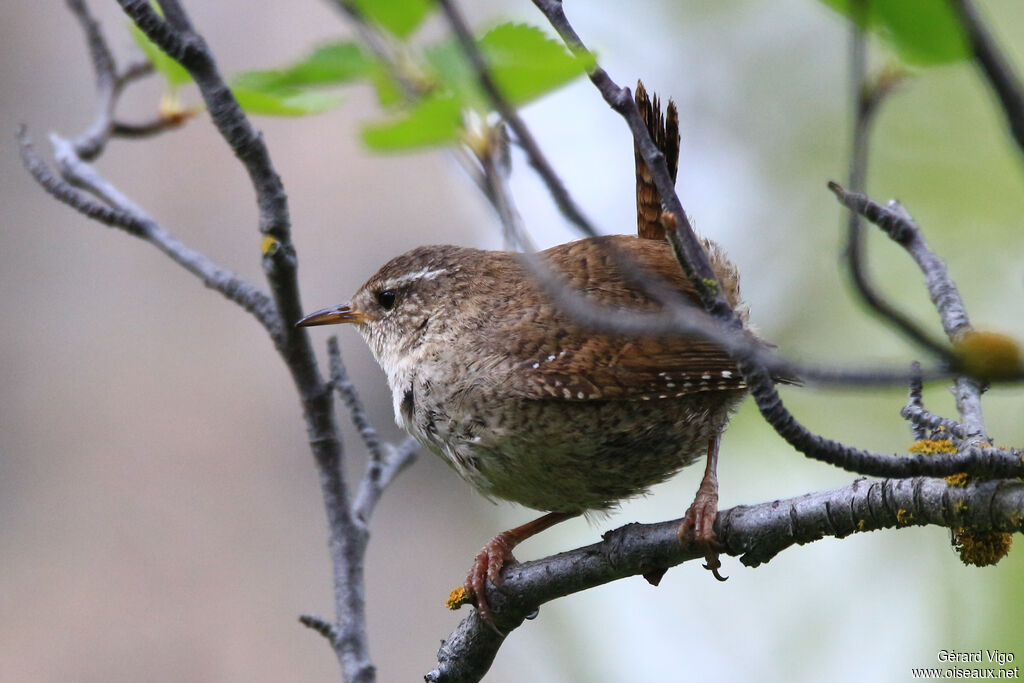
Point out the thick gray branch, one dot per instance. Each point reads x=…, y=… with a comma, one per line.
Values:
x=754, y=533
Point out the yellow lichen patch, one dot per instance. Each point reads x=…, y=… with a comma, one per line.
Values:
x=981, y=549
x=268, y=245
x=862, y=525
x=960, y=506
x=932, y=446
x=710, y=285
x=989, y=355
x=959, y=479
x=457, y=598
x=904, y=517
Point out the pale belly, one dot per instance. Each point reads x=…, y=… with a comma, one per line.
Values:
x=568, y=456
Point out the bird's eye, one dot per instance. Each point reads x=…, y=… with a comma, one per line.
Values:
x=387, y=299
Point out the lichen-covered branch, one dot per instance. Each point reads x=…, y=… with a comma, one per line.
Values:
x=754, y=533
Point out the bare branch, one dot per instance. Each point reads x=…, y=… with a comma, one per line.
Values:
x=754, y=533
x=350, y=398
x=399, y=68
x=348, y=535
x=868, y=96
x=996, y=67
x=683, y=239
x=921, y=421
x=118, y=211
x=898, y=224
x=523, y=135
x=157, y=125
x=91, y=143
x=109, y=87
x=322, y=627
x=386, y=461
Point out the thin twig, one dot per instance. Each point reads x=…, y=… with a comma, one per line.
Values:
x=523, y=135
x=400, y=68
x=922, y=420
x=684, y=240
x=341, y=383
x=386, y=461
x=91, y=143
x=895, y=222
x=996, y=67
x=322, y=627
x=160, y=124
x=915, y=404
x=754, y=533
x=867, y=98
x=118, y=211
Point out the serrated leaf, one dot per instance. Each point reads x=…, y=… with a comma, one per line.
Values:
x=526, y=63
x=400, y=17
x=175, y=73
x=435, y=121
x=330, y=64
x=923, y=32
x=285, y=102
x=523, y=60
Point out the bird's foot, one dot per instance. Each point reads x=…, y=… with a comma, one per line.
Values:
x=699, y=522
x=488, y=564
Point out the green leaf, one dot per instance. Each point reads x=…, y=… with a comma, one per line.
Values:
x=435, y=121
x=389, y=92
x=524, y=62
x=285, y=102
x=923, y=32
x=400, y=17
x=527, y=64
x=175, y=73
x=330, y=64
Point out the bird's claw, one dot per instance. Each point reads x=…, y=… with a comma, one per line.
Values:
x=488, y=564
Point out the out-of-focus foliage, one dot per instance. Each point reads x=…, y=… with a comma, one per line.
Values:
x=524, y=61
x=922, y=32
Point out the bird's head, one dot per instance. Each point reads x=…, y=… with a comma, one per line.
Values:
x=401, y=302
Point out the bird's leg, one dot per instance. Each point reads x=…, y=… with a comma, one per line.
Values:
x=700, y=517
x=498, y=552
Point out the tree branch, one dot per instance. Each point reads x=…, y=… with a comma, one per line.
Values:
x=897, y=223
x=996, y=68
x=174, y=35
x=754, y=533
x=683, y=239
x=755, y=371
x=118, y=211
x=868, y=96
x=523, y=135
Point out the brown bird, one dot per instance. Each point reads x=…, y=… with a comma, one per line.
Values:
x=526, y=404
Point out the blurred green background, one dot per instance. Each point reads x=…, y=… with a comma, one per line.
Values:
x=161, y=518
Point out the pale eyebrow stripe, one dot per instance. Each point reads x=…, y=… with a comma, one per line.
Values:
x=424, y=274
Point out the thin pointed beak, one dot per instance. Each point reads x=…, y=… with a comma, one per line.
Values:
x=332, y=315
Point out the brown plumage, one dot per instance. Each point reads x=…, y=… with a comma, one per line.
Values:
x=526, y=404
x=664, y=130
x=521, y=400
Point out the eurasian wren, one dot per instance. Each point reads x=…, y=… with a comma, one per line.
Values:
x=524, y=403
